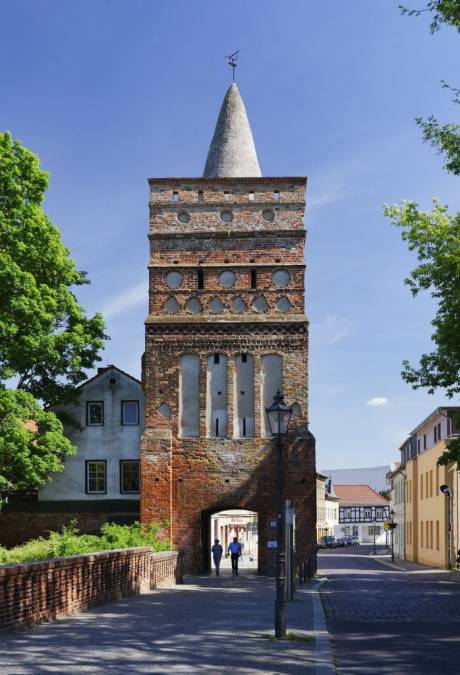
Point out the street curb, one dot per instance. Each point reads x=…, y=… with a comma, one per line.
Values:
x=324, y=660
x=424, y=569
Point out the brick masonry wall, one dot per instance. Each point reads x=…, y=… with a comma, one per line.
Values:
x=22, y=520
x=185, y=480
x=32, y=593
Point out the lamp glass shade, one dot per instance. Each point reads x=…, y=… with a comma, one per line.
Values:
x=278, y=415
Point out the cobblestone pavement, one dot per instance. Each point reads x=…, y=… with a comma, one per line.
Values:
x=208, y=625
x=383, y=620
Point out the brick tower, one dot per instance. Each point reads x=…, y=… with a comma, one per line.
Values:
x=226, y=328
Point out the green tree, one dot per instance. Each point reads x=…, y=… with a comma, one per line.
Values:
x=435, y=237
x=442, y=11
x=46, y=339
x=32, y=444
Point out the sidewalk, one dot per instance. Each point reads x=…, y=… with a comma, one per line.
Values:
x=413, y=567
x=208, y=624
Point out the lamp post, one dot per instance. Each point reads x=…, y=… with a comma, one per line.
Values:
x=279, y=415
x=445, y=489
x=373, y=529
x=392, y=515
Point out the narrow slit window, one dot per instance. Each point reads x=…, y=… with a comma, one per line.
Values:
x=217, y=426
x=244, y=426
x=276, y=195
x=216, y=358
x=251, y=196
x=200, y=279
x=175, y=196
x=244, y=358
x=253, y=279
x=200, y=195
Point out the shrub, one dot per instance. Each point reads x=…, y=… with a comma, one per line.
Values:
x=70, y=542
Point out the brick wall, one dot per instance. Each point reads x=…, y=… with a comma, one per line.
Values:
x=24, y=519
x=31, y=593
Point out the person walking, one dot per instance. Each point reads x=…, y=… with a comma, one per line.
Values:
x=217, y=551
x=235, y=551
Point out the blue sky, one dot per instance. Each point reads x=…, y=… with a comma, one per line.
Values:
x=110, y=92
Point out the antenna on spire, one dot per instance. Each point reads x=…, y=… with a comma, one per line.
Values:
x=232, y=61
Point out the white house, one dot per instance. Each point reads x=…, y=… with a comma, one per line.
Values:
x=362, y=513
x=110, y=412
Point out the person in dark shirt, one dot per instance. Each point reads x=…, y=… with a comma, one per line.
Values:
x=235, y=551
x=217, y=551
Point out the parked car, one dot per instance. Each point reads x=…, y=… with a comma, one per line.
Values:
x=354, y=541
x=341, y=542
x=327, y=542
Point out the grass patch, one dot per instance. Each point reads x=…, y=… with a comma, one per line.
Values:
x=292, y=637
x=70, y=542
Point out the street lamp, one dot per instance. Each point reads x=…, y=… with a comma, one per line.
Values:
x=392, y=516
x=445, y=489
x=375, y=520
x=279, y=415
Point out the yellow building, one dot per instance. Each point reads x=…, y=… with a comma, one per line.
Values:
x=426, y=506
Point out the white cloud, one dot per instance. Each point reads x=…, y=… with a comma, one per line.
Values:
x=377, y=401
x=136, y=295
x=332, y=328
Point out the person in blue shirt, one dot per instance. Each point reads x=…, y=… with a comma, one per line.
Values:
x=235, y=551
x=217, y=551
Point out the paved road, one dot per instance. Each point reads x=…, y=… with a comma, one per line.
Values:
x=384, y=621
x=207, y=625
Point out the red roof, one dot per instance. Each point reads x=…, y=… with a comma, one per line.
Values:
x=351, y=495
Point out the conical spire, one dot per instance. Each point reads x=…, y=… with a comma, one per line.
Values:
x=232, y=151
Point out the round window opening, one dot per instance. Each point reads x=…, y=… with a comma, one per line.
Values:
x=226, y=216
x=173, y=279
x=227, y=279
x=183, y=217
x=268, y=215
x=281, y=278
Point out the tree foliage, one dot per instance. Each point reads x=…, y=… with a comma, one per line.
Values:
x=442, y=12
x=32, y=444
x=435, y=237
x=46, y=339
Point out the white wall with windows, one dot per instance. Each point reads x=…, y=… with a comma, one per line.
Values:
x=110, y=414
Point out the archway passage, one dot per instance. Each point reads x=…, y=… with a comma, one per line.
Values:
x=224, y=526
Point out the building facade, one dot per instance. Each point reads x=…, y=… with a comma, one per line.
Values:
x=100, y=483
x=320, y=506
x=226, y=328
x=332, y=508
x=362, y=513
x=426, y=506
x=397, y=482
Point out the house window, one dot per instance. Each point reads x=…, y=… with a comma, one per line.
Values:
x=129, y=413
x=439, y=431
x=367, y=513
x=94, y=413
x=129, y=476
x=96, y=477
x=253, y=279
x=378, y=514
x=436, y=434
x=200, y=279
x=418, y=446
x=424, y=441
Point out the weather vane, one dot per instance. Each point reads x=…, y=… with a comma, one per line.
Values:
x=232, y=61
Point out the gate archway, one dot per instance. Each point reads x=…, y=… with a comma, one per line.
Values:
x=225, y=525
